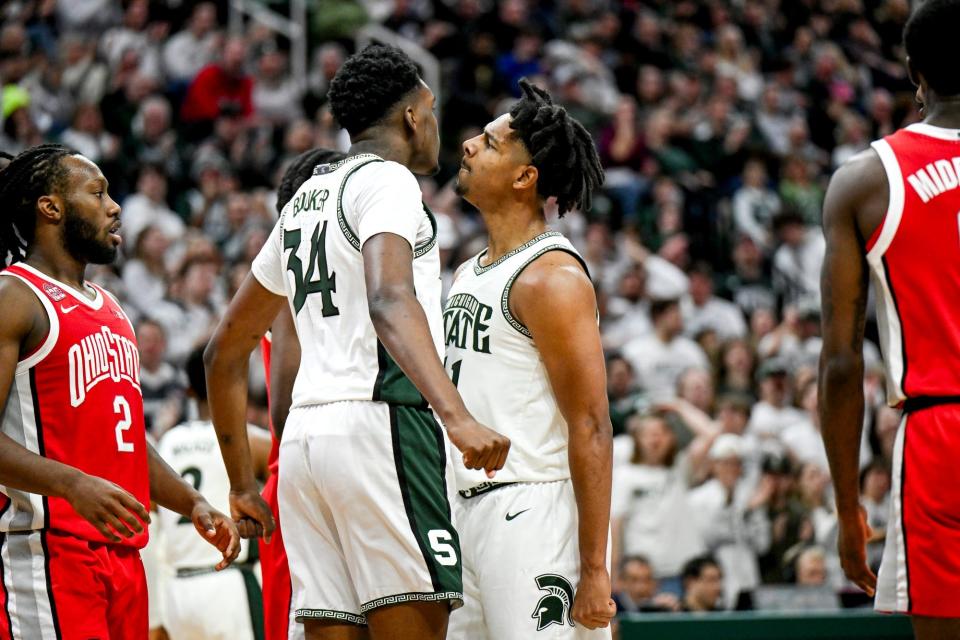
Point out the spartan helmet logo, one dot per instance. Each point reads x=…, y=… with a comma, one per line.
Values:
x=554, y=607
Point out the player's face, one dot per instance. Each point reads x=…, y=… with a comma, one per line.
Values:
x=91, y=222
x=427, y=137
x=492, y=162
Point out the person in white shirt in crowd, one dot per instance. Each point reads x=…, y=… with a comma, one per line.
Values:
x=628, y=313
x=163, y=386
x=148, y=206
x=702, y=310
x=650, y=514
x=145, y=273
x=772, y=414
x=755, y=205
x=661, y=356
x=189, y=313
x=695, y=385
x=87, y=135
x=188, y=51
x=730, y=513
x=796, y=264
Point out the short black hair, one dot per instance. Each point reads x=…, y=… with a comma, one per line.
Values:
x=694, y=567
x=31, y=174
x=661, y=306
x=928, y=38
x=197, y=374
x=560, y=148
x=642, y=559
x=369, y=84
x=300, y=170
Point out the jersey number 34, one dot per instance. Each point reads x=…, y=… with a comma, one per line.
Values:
x=325, y=283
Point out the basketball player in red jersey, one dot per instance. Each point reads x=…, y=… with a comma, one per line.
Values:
x=75, y=468
x=893, y=213
x=281, y=359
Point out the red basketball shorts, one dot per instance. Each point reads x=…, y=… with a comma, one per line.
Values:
x=920, y=572
x=57, y=586
x=275, y=573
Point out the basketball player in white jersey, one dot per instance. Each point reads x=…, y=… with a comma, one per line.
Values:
x=365, y=476
x=199, y=603
x=523, y=348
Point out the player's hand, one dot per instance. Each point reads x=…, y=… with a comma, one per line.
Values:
x=482, y=448
x=592, y=605
x=852, y=545
x=112, y=510
x=252, y=515
x=218, y=530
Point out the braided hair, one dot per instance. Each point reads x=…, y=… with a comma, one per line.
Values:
x=560, y=148
x=300, y=171
x=36, y=172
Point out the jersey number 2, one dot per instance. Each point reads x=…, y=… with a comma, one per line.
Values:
x=325, y=284
x=122, y=408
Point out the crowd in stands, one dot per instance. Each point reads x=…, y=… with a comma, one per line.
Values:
x=718, y=123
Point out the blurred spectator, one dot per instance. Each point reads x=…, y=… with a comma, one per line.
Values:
x=162, y=384
x=188, y=313
x=811, y=567
x=145, y=275
x=704, y=311
x=875, y=498
x=276, y=96
x=148, y=206
x=154, y=141
x=638, y=589
x=622, y=392
x=189, y=50
x=87, y=136
x=660, y=357
x=649, y=512
x=796, y=264
x=731, y=516
x=83, y=75
x=754, y=205
x=773, y=413
x=219, y=86
x=702, y=585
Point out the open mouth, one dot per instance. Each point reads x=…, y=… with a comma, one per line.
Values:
x=114, y=232
x=463, y=166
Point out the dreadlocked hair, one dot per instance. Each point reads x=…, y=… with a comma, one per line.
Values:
x=33, y=173
x=560, y=148
x=300, y=171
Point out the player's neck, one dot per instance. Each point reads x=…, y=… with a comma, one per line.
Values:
x=942, y=111
x=383, y=145
x=510, y=229
x=62, y=266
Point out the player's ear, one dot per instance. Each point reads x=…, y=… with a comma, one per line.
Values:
x=527, y=178
x=51, y=207
x=410, y=118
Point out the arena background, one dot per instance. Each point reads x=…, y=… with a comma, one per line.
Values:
x=718, y=123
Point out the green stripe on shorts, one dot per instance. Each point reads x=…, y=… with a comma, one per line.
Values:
x=420, y=456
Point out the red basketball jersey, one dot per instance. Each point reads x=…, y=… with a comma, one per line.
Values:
x=266, y=344
x=914, y=260
x=76, y=399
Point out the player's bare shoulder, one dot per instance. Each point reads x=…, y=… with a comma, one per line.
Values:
x=859, y=188
x=555, y=280
x=24, y=318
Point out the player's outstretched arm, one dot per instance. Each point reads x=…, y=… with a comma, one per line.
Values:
x=402, y=327
x=113, y=511
x=169, y=490
x=555, y=299
x=226, y=359
x=843, y=286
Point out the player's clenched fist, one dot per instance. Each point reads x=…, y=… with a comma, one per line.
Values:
x=482, y=448
x=592, y=605
x=252, y=514
x=112, y=510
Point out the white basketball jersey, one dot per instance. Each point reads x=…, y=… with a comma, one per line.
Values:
x=497, y=368
x=191, y=449
x=314, y=258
